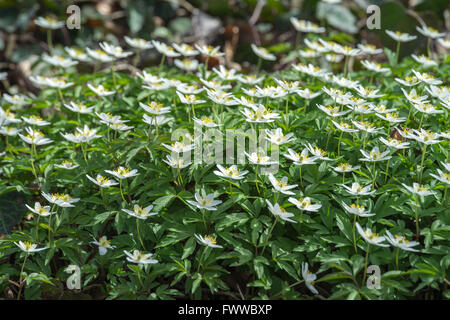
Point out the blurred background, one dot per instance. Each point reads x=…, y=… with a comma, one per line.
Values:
x=231, y=24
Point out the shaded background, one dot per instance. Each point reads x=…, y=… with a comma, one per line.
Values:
x=232, y=24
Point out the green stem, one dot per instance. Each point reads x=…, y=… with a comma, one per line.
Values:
x=49, y=41
x=201, y=258
x=397, y=53
x=268, y=235
x=20, y=278
x=396, y=258
x=121, y=192
x=421, y=162
x=139, y=234
x=354, y=233
x=365, y=264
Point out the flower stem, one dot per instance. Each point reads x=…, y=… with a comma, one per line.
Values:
x=396, y=258
x=421, y=162
x=139, y=234
x=268, y=235
x=201, y=258
x=354, y=234
x=20, y=278
x=121, y=192
x=365, y=264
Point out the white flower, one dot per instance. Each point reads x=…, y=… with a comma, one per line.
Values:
x=250, y=79
x=107, y=118
x=345, y=127
x=205, y=201
x=99, y=55
x=399, y=36
x=427, y=108
x=307, y=93
x=359, y=210
x=49, y=23
x=35, y=121
x=186, y=64
x=206, y=121
x=210, y=51
x=357, y=190
x=444, y=42
x=334, y=58
x=308, y=276
x=368, y=93
x=375, y=155
x=185, y=49
x=366, y=126
x=83, y=135
x=176, y=162
x=418, y=189
x=289, y=86
x=7, y=117
x=277, y=137
x=376, y=67
x=3, y=75
x=332, y=111
x=100, y=90
x=158, y=120
x=408, y=81
x=179, y=147
x=438, y=92
x=442, y=176
x=60, y=199
x=230, y=172
x=345, y=167
x=165, y=49
x=369, y=49
x=278, y=211
x=119, y=126
x=208, y=241
x=391, y=117
x=446, y=166
x=28, y=247
x=102, y=181
x=344, y=82
x=225, y=74
x=103, y=245
x=281, y=185
x=317, y=152
x=149, y=78
x=302, y=158
x=371, y=237
x=263, y=53
x=139, y=257
x=189, y=89
x=15, y=99
x=221, y=97
x=115, y=51
x=68, y=165
x=138, y=43
x=77, y=54
x=35, y=137
x=59, y=61
x=383, y=109
x=9, y=131
x=425, y=61
x=394, y=143
x=154, y=108
x=123, y=173
x=425, y=136
x=40, y=210
x=306, y=26
x=430, y=32
x=309, y=53
x=305, y=204
x=259, y=159
x=78, y=107
x=347, y=51
x=216, y=85
x=427, y=78
x=141, y=212
x=401, y=242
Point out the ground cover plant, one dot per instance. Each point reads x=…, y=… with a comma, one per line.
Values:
x=128, y=178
